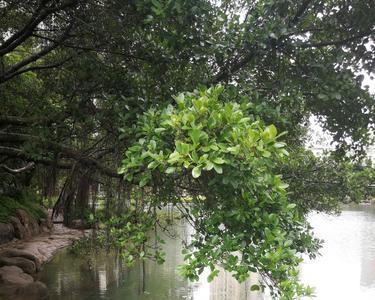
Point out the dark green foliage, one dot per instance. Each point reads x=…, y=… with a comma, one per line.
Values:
x=26, y=200
x=324, y=183
x=85, y=246
x=130, y=233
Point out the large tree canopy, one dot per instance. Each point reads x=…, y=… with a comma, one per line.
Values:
x=82, y=81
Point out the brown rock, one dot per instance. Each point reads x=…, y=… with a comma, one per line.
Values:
x=46, y=224
x=26, y=265
x=78, y=224
x=21, y=253
x=14, y=275
x=30, y=224
x=19, y=229
x=34, y=248
x=6, y=233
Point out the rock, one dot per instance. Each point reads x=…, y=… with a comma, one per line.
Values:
x=21, y=253
x=26, y=265
x=6, y=233
x=33, y=291
x=19, y=229
x=45, y=224
x=78, y=224
x=14, y=275
x=34, y=248
x=30, y=224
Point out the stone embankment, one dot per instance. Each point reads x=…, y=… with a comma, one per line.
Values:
x=33, y=244
x=23, y=226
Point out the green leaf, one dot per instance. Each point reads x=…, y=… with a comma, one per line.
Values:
x=271, y=130
x=182, y=148
x=255, y=287
x=244, y=120
x=174, y=157
x=196, y=172
x=322, y=96
x=194, y=135
x=129, y=177
x=170, y=170
x=209, y=165
x=211, y=122
x=195, y=156
x=234, y=150
x=156, y=3
x=279, y=145
x=212, y=275
x=218, y=169
x=152, y=165
x=283, y=185
x=152, y=145
x=144, y=180
x=180, y=99
x=266, y=154
x=219, y=161
x=158, y=130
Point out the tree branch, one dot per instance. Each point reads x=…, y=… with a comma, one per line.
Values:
x=32, y=58
x=28, y=167
x=64, y=150
x=38, y=16
x=17, y=121
x=338, y=42
x=34, y=68
x=19, y=154
x=226, y=73
x=96, y=49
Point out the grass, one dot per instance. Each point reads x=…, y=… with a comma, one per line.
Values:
x=27, y=201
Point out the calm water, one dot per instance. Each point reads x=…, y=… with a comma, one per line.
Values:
x=346, y=269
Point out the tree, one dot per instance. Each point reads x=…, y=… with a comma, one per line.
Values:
x=73, y=72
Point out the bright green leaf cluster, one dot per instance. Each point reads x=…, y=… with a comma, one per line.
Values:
x=224, y=158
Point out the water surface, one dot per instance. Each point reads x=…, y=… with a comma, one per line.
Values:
x=345, y=270
x=103, y=276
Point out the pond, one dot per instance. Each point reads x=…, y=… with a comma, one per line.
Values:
x=346, y=269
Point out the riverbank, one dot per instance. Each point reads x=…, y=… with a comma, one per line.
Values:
x=20, y=260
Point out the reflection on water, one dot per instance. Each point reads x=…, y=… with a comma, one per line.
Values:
x=104, y=277
x=346, y=269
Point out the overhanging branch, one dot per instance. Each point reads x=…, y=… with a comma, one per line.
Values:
x=28, y=167
x=65, y=151
x=338, y=42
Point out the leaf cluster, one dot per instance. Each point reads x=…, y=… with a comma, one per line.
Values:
x=224, y=158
